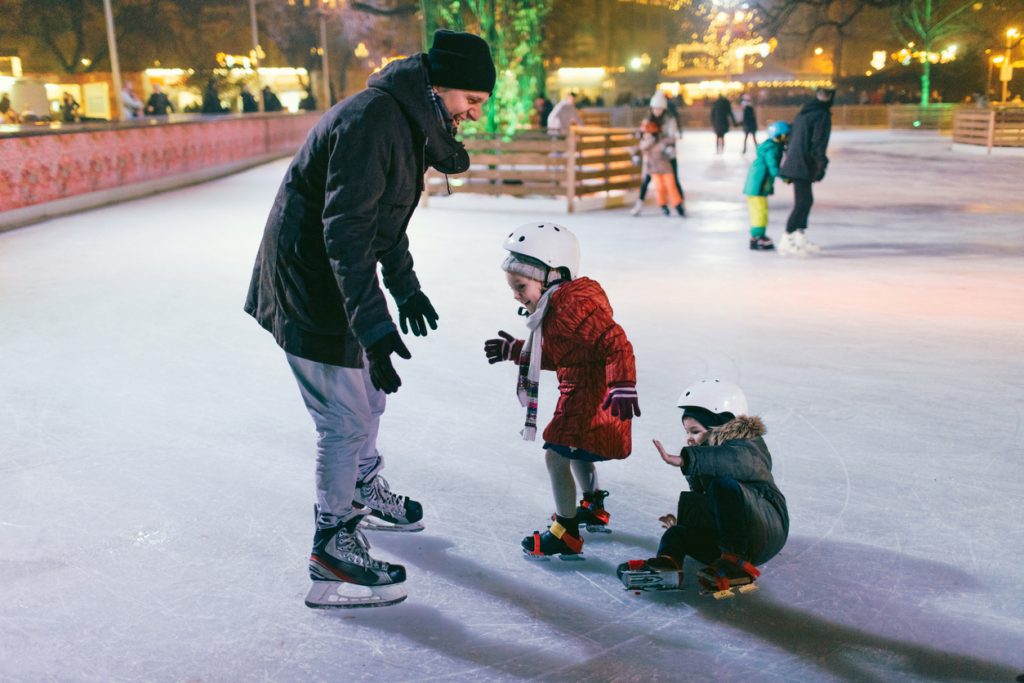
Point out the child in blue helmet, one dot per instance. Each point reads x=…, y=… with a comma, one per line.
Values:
x=761, y=183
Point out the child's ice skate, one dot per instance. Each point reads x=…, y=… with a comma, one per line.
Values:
x=592, y=514
x=660, y=573
x=727, y=572
x=344, y=574
x=388, y=511
x=763, y=243
x=557, y=540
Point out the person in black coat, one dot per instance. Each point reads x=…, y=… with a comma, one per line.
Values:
x=249, y=103
x=749, y=121
x=342, y=210
x=805, y=163
x=721, y=118
x=158, y=104
x=733, y=518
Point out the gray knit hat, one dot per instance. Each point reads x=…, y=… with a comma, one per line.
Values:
x=525, y=266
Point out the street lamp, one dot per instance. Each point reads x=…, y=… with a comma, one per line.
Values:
x=256, y=54
x=321, y=10
x=1011, y=33
x=994, y=61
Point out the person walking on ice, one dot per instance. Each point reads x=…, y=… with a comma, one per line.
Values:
x=573, y=333
x=342, y=211
x=804, y=164
x=761, y=183
x=734, y=518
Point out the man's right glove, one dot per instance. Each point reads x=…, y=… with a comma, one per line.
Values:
x=505, y=348
x=382, y=372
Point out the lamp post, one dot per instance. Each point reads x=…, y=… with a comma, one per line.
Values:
x=992, y=62
x=323, y=54
x=256, y=54
x=115, y=65
x=1011, y=33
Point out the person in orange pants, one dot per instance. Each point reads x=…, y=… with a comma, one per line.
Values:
x=654, y=145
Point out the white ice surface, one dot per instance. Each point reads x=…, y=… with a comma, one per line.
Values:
x=156, y=461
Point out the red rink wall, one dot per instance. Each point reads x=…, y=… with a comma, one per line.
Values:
x=42, y=166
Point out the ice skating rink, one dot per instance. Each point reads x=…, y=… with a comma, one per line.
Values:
x=156, y=461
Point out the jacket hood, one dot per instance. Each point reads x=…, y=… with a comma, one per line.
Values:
x=815, y=105
x=743, y=427
x=406, y=80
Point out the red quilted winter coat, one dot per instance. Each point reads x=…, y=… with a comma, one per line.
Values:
x=589, y=351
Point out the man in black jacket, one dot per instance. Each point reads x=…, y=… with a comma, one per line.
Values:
x=805, y=163
x=342, y=209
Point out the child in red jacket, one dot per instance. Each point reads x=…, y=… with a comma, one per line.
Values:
x=571, y=332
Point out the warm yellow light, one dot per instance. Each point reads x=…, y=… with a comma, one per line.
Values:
x=818, y=50
x=878, y=58
x=1012, y=33
x=868, y=72
x=636, y=63
x=999, y=59
x=361, y=51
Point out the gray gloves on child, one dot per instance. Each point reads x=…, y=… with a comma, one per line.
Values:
x=417, y=312
x=622, y=400
x=382, y=372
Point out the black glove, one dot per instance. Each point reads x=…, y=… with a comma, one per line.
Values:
x=498, y=350
x=382, y=372
x=417, y=313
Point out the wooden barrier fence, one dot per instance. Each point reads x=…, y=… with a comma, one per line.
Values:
x=590, y=161
x=995, y=127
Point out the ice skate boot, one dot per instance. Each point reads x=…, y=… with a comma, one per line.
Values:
x=681, y=210
x=660, y=573
x=638, y=206
x=562, y=538
x=591, y=512
x=761, y=244
x=388, y=511
x=728, y=571
x=344, y=575
x=808, y=246
x=790, y=245
x=664, y=210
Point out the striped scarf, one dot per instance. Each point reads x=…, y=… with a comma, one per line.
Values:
x=529, y=367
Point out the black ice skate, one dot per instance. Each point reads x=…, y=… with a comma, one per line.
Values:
x=557, y=540
x=761, y=244
x=660, y=573
x=344, y=574
x=592, y=514
x=727, y=572
x=388, y=511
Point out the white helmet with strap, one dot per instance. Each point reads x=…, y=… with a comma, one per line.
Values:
x=716, y=396
x=552, y=244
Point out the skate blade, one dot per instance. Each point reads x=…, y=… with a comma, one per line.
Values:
x=547, y=558
x=598, y=529
x=729, y=592
x=646, y=581
x=345, y=595
x=374, y=523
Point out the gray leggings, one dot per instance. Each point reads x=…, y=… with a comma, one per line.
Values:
x=565, y=474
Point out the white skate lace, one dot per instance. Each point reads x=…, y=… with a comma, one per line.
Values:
x=354, y=545
x=381, y=498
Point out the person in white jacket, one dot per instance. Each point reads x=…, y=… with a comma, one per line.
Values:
x=564, y=116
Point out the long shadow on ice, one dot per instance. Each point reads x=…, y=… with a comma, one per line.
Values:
x=851, y=590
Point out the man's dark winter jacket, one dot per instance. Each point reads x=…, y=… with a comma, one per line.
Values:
x=808, y=142
x=722, y=116
x=342, y=208
x=737, y=450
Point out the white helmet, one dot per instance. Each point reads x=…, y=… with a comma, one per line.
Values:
x=716, y=396
x=658, y=100
x=552, y=244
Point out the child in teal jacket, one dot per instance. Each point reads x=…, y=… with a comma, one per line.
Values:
x=761, y=183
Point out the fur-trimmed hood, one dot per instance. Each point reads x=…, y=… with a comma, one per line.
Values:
x=742, y=427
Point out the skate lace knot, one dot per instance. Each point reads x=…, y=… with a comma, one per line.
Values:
x=379, y=497
x=356, y=548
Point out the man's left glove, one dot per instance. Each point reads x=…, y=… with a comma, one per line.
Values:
x=622, y=400
x=382, y=372
x=417, y=312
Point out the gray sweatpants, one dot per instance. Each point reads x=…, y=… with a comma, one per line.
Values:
x=346, y=410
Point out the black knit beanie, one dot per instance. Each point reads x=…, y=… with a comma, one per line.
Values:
x=706, y=417
x=462, y=61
